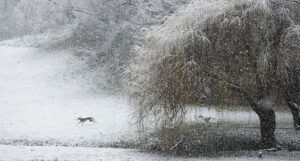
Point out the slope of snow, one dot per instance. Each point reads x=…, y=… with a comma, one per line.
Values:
x=42, y=94
x=41, y=39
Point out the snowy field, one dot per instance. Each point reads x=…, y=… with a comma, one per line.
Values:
x=42, y=94
x=109, y=154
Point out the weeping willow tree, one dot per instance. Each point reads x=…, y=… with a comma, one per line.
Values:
x=289, y=69
x=248, y=47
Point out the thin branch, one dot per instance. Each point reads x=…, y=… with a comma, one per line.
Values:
x=73, y=8
x=106, y=1
x=235, y=87
x=128, y=2
x=286, y=2
x=294, y=105
x=176, y=144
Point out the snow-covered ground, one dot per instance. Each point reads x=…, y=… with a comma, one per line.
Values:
x=51, y=153
x=248, y=117
x=42, y=94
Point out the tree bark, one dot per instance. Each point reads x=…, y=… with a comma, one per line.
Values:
x=267, y=120
x=266, y=116
x=295, y=109
x=267, y=127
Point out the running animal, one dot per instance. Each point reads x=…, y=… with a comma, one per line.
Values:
x=83, y=120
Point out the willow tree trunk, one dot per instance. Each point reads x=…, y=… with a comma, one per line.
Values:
x=295, y=109
x=267, y=126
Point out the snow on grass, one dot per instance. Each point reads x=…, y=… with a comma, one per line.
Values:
x=42, y=94
x=109, y=154
x=245, y=115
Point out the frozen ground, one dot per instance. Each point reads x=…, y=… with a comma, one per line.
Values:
x=52, y=153
x=42, y=94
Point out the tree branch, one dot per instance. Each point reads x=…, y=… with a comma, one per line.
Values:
x=236, y=88
x=73, y=8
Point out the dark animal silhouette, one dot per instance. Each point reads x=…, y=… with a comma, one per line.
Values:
x=83, y=120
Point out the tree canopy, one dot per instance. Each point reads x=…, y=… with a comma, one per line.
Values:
x=243, y=51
